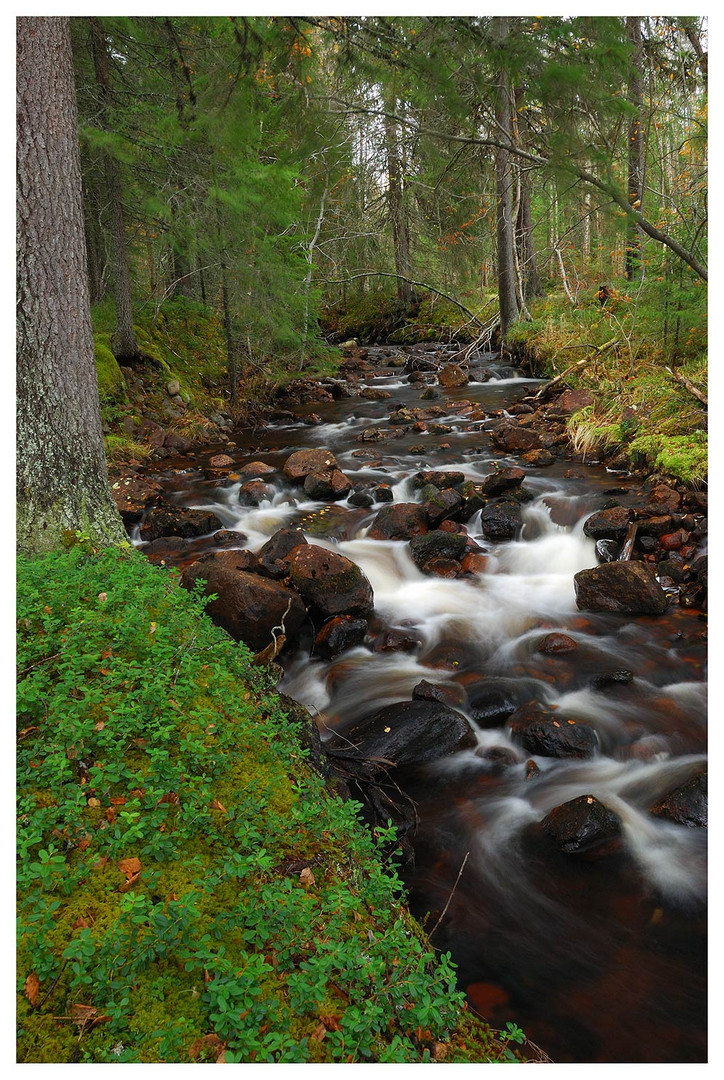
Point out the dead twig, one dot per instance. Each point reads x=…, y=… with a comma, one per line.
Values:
x=452, y=893
x=689, y=386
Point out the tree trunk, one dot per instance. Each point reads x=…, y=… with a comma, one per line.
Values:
x=125, y=346
x=505, y=233
x=400, y=227
x=632, y=263
x=62, y=479
x=524, y=223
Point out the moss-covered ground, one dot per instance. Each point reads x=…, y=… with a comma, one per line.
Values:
x=189, y=890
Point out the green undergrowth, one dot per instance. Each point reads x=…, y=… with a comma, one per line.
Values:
x=188, y=889
x=184, y=341
x=640, y=410
x=379, y=317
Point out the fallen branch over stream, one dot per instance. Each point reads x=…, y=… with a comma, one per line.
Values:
x=598, y=351
x=401, y=277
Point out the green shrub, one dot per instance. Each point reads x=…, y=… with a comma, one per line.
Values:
x=188, y=890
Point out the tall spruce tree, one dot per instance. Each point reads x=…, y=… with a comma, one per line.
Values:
x=62, y=479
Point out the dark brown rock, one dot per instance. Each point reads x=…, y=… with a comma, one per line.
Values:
x=229, y=538
x=500, y=520
x=501, y=480
x=274, y=554
x=571, y=401
x=435, y=545
x=338, y=634
x=178, y=521
x=331, y=583
x=513, y=439
x=255, y=492
x=581, y=825
x=303, y=462
x=248, y=606
x=327, y=486
x=438, y=479
x=663, y=500
x=452, y=376
x=399, y=521
x=221, y=461
x=255, y=470
x=625, y=588
x=686, y=804
x=132, y=494
x=447, y=693
x=403, y=734
x=396, y=639
x=540, y=731
x=609, y=524
x=440, y=505
x=554, y=644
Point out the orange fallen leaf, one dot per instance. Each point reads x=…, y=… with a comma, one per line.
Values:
x=32, y=988
x=130, y=867
x=127, y=885
x=84, y=843
x=319, y=1032
x=94, y=804
x=99, y=726
x=83, y=1014
x=216, y=805
x=330, y=1022
x=81, y=923
x=170, y=797
x=306, y=876
x=118, y=800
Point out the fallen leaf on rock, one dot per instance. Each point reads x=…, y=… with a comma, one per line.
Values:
x=32, y=988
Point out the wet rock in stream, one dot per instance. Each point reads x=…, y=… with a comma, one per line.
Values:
x=624, y=588
x=399, y=521
x=178, y=521
x=248, y=606
x=581, y=826
x=686, y=804
x=539, y=731
x=329, y=582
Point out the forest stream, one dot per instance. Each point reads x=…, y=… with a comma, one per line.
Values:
x=601, y=956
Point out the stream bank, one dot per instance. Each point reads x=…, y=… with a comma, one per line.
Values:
x=452, y=493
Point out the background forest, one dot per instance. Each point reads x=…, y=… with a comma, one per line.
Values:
x=303, y=180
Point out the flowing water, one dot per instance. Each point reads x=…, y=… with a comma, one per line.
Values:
x=598, y=961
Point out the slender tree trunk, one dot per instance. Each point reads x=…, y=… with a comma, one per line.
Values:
x=505, y=232
x=531, y=285
x=395, y=202
x=228, y=333
x=125, y=346
x=94, y=247
x=62, y=479
x=632, y=263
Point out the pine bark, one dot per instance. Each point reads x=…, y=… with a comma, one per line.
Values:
x=62, y=478
x=505, y=231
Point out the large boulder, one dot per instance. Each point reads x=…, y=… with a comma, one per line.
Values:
x=330, y=582
x=500, y=520
x=303, y=462
x=428, y=547
x=178, y=521
x=513, y=439
x=570, y=401
x=451, y=376
x=438, y=478
x=441, y=504
x=687, y=804
x=405, y=733
x=248, y=606
x=399, y=521
x=624, y=588
x=327, y=486
x=608, y=524
x=582, y=825
x=132, y=494
x=501, y=480
x=541, y=732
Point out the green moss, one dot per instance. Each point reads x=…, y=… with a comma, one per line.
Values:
x=111, y=383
